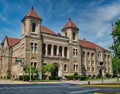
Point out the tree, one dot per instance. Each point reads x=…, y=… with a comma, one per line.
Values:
x=114, y=63
x=116, y=47
x=116, y=37
x=48, y=69
x=33, y=70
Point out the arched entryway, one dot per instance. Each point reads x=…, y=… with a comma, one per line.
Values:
x=55, y=72
x=100, y=72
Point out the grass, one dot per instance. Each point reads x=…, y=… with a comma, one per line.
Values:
x=105, y=85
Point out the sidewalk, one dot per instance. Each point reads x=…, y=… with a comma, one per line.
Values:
x=92, y=81
x=2, y=81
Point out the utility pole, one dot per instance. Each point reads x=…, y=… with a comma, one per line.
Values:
x=30, y=61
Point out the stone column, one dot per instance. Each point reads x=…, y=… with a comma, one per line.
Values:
x=58, y=50
x=52, y=51
x=46, y=50
x=62, y=52
x=67, y=53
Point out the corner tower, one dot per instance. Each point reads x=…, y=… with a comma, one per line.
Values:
x=70, y=30
x=31, y=24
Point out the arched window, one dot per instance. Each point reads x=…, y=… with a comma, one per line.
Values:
x=49, y=49
x=75, y=67
x=65, y=34
x=33, y=27
x=60, y=50
x=43, y=49
x=83, y=54
x=55, y=50
x=65, y=51
x=88, y=54
x=73, y=35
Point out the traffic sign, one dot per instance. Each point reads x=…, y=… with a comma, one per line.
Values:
x=19, y=60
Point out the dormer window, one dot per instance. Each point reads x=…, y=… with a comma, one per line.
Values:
x=33, y=27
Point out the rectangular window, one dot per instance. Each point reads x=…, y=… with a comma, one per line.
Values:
x=93, y=69
x=34, y=64
x=75, y=52
x=65, y=67
x=34, y=47
x=88, y=68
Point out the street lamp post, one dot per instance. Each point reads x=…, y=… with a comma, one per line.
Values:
x=23, y=68
x=30, y=60
x=101, y=67
x=30, y=71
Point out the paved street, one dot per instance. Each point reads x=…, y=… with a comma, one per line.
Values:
x=61, y=88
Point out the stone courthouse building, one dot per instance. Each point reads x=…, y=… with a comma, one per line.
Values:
x=39, y=45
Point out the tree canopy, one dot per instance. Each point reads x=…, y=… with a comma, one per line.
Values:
x=116, y=47
x=116, y=37
x=47, y=70
x=27, y=69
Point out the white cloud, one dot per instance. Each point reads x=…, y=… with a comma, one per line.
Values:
x=96, y=23
x=108, y=12
x=3, y=18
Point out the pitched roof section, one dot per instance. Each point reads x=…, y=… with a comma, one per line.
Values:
x=70, y=24
x=12, y=41
x=46, y=30
x=87, y=44
x=32, y=13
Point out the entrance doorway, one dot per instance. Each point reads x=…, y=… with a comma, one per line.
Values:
x=55, y=72
x=100, y=72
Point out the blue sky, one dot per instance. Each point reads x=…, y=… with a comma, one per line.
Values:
x=92, y=17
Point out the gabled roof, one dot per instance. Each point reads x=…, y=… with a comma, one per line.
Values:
x=87, y=44
x=70, y=24
x=12, y=41
x=32, y=13
x=46, y=30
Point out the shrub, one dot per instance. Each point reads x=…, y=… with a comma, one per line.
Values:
x=20, y=77
x=76, y=77
x=69, y=77
x=83, y=77
x=26, y=77
x=108, y=75
x=54, y=78
x=8, y=76
x=98, y=76
x=75, y=74
x=93, y=77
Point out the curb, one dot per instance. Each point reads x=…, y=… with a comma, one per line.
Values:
x=103, y=86
x=106, y=93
